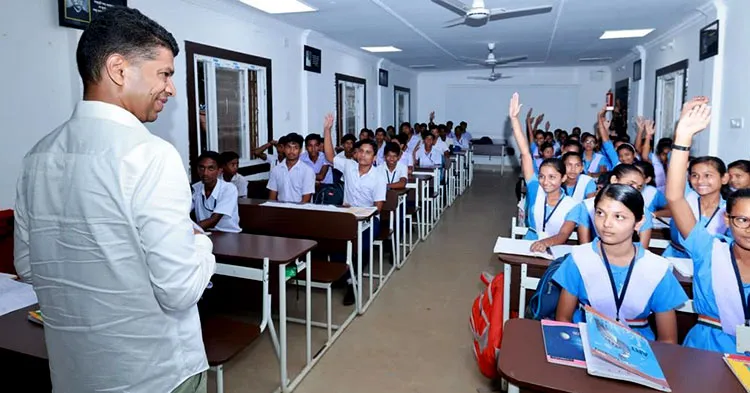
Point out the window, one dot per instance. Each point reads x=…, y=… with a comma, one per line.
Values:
x=671, y=91
x=230, y=102
x=351, y=105
x=401, y=105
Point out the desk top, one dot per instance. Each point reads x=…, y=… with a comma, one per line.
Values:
x=523, y=362
x=359, y=213
x=246, y=246
x=20, y=335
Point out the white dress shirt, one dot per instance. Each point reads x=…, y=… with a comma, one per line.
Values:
x=429, y=160
x=103, y=232
x=361, y=190
x=380, y=157
x=413, y=142
x=318, y=165
x=240, y=182
x=292, y=183
x=440, y=145
x=407, y=158
x=223, y=200
x=400, y=171
x=272, y=159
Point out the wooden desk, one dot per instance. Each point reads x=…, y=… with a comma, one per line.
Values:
x=23, y=353
x=522, y=362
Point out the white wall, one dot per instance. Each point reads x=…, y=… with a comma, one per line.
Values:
x=734, y=143
x=675, y=45
x=589, y=83
x=40, y=84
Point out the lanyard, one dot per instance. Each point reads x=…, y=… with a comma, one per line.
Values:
x=393, y=177
x=618, y=299
x=745, y=301
x=578, y=181
x=700, y=214
x=546, y=217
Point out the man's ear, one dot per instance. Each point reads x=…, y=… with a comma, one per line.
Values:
x=115, y=68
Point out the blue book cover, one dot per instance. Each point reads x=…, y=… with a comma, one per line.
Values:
x=562, y=343
x=624, y=348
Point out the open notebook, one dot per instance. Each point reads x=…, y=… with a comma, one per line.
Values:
x=359, y=212
x=505, y=245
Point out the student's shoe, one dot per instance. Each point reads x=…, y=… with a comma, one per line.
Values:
x=349, y=298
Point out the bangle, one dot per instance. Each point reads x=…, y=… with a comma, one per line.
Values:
x=680, y=148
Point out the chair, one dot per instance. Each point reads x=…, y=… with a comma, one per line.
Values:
x=6, y=242
x=223, y=339
x=413, y=216
x=387, y=220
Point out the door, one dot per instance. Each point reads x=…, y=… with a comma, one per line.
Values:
x=668, y=103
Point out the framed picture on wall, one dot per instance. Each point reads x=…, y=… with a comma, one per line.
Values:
x=637, y=70
x=709, y=41
x=79, y=13
x=312, y=59
x=383, y=77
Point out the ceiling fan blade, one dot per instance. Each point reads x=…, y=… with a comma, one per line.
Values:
x=472, y=60
x=506, y=60
x=502, y=13
x=454, y=5
x=455, y=22
x=477, y=78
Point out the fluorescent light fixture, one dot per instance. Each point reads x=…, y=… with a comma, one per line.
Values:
x=593, y=59
x=615, y=34
x=381, y=49
x=422, y=66
x=279, y=6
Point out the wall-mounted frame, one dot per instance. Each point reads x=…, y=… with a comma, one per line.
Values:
x=670, y=93
x=383, y=77
x=637, y=71
x=79, y=13
x=344, y=85
x=312, y=59
x=399, y=114
x=709, y=41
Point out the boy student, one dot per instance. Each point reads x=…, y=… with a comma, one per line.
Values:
x=214, y=200
x=413, y=140
x=272, y=158
x=380, y=139
x=364, y=185
x=292, y=180
x=407, y=158
x=428, y=156
x=231, y=162
x=437, y=142
x=317, y=162
x=396, y=173
x=347, y=146
x=366, y=134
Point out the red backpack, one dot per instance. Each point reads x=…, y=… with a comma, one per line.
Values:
x=486, y=323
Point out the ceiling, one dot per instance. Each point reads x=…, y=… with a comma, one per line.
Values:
x=559, y=38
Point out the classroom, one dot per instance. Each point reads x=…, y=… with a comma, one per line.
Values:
x=374, y=195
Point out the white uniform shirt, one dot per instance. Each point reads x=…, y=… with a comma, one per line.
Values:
x=407, y=159
x=223, y=200
x=401, y=171
x=272, y=159
x=364, y=190
x=292, y=184
x=413, y=142
x=103, y=232
x=430, y=160
x=318, y=165
x=240, y=182
x=440, y=146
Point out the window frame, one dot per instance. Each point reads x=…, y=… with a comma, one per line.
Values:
x=193, y=49
x=339, y=102
x=396, y=90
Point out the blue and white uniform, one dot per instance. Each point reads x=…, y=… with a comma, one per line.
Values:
x=585, y=185
x=588, y=210
x=543, y=220
x=653, y=199
x=597, y=160
x=713, y=222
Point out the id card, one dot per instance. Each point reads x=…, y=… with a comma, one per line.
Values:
x=743, y=339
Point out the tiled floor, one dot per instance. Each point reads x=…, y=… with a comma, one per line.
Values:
x=415, y=337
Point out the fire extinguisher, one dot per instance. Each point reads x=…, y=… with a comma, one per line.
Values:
x=610, y=101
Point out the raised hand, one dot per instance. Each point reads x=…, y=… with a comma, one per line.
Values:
x=695, y=101
x=640, y=121
x=328, y=122
x=539, y=120
x=529, y=115
x=650, y=128
x=695, y=120
x=274, y=142
x=432, y=116
x=547, y=126
x=515, y=106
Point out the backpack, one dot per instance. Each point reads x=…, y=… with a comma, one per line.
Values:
x=486, y=323
x=543, y=303
x=330, y=194
x=485, y=140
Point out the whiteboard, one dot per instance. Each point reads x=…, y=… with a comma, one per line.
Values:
x=485, y=108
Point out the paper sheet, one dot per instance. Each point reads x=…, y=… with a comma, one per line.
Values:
x=15, y=295
x=522, y=247
x=682, y=265
x=359, y=212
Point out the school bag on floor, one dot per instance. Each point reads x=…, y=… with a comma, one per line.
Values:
x=330, y=194
x=543, y=303
x=486, y=323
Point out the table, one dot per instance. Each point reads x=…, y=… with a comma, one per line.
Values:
x=237, y=255
x=522, y=362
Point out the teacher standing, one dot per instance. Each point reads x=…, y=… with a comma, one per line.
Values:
x=102, y=225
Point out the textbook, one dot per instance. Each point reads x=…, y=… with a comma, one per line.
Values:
x=613, y=350
x=740, y=366
x=562, y=343
x=505, y=245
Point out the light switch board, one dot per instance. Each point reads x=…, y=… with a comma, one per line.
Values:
x=737, y=123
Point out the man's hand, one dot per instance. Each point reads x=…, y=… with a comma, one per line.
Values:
x=695, y=120
x=515, y=106
x=640, y=121
x=529, y=116
x=328, y=123
x=274, y=142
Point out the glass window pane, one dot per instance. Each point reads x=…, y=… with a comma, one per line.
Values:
x=229, y=91
x=351, y=109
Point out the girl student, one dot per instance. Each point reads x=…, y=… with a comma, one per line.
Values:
x=550, y=214
x=721, y=280
x=594, y=163
x=621, y=154
x=617, y=277
x=653, y=198
x=739, y=176
x=577, y=185
x=622, y=174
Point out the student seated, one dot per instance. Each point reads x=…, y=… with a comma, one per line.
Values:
x=316, y=161
x=438, y=143
x=547, y=151
x=577, y=185
x=739, y=176
x=460, y=139
x=413, y=137
x=550, y=215
x=272, y=158
x=572, y=145
x=380, y=140
x=231, y=162
x=347, y=145
x=366, y=134
x=619, y=278
x=594, y=163
x=427, y=156
x=396, y=173
x=364, y=185
x=406, y=158
x=292, y=180
x=622, y=174
x=721, y=266
x=214, y=200
x=653, y=198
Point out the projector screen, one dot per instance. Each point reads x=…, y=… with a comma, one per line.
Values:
x=485, y=108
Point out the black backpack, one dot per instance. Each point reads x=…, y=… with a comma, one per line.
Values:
x=543, y=303
x=330, y=194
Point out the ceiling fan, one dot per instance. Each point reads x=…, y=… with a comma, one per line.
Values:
x=493, y=76
x=478, y=14
x=491, y=60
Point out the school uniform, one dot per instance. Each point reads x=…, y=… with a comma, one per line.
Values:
x=660, y=174
x=223, y=200
x=318, y=165
x=240, y=182
x=413, y=141
x=653, y=199
x=431, y=159
x=407, y=159
x=597, y=160
x=293, y=183
x=608, y=148
x=272, y=159
x=463, y=142
x=652, y=287
x=585, y=185
x=588, y=211
x=537, y=164
x=713, y=222
x=440, y=146
x=715, y=292
x=543, y=220
x=399, y=172
x=380, y=157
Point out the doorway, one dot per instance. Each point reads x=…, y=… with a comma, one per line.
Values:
x=671, y=93
x=401, y=105
x=620, y=116
x=351, y=105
